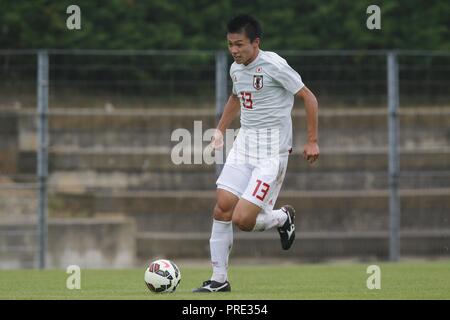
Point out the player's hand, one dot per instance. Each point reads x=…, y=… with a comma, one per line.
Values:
x=217, y=140
x=311, y=152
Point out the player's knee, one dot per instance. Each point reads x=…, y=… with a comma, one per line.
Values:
x=222, y=212
x=242, y=222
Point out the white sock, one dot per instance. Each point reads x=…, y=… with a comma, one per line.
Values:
x=220, y=244
x=267, y=220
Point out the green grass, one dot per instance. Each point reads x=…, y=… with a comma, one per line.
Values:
x=405, y=280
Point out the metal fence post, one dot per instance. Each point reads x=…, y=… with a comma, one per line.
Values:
x=42, y=153
x=221, y=98
x=393, y=125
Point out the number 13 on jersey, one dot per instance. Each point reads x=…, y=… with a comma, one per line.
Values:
x=246, y=98
x=261, y=189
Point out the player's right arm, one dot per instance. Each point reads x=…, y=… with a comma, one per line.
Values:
x=231, y=110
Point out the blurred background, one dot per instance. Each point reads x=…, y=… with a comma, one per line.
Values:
x=86, y=118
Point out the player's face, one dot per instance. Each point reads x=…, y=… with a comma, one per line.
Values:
x=240, y=47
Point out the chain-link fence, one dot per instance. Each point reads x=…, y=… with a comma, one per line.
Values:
x=111, y=115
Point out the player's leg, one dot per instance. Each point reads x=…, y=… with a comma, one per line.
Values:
x=230, y=185
x=283, y=218
x=253, y=213
x=245, y=214
x=269, y=218
x=263, y=191
x=221, y=240
x=248, y=216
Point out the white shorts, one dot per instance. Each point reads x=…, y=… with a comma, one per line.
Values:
x=258, y=181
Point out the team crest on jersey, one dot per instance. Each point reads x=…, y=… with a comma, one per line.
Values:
x=258, y=82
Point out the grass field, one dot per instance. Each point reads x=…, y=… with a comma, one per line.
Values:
x=405, y=280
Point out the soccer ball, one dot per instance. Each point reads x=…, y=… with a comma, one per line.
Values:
x=162, y=276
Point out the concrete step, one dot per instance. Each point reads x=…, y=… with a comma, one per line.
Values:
x=309, y=246
x=82, y=181
x=187, y=211
x=350, y=137
x=409, y=138
x=159, y=119
x=159, y=160
x=18, y=243
x=368, y=180
x=414, y=138
x=143, y=128
x=18, y=200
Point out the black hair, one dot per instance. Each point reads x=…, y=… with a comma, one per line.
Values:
x=247, y=24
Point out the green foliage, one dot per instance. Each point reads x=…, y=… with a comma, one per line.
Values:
x=176, y=24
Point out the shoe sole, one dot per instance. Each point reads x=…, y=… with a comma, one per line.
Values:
x=203, y=290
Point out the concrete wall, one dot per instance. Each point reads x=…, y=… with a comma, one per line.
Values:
x=118, y=165
x=8, y=142
x=88, y=243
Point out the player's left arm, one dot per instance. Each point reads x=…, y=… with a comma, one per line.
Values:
x=311, y=148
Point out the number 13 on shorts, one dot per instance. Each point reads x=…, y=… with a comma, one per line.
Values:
x=261, y=190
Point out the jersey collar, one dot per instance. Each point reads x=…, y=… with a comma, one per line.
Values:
x=251, y=64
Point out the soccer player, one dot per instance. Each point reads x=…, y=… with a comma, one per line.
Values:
x=264, y=87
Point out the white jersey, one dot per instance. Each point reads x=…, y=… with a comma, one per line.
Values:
x=266, y=89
